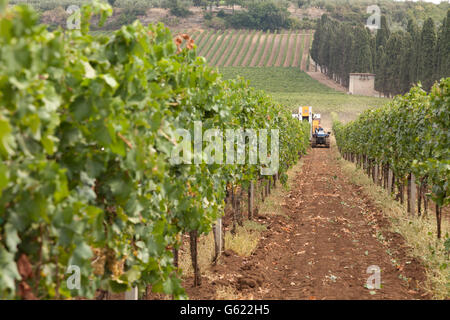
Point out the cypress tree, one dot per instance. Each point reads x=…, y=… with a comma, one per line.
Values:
x=406, y=57
x=393, y=63
x=380, y=78
x=444, y=48
x=324, y=51
x=349, y=53
x=316, y=42
x=413, y=31
x=363, y=52
x=427, y=54
x=382, y=33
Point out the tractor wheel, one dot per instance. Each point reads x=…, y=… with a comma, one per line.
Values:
x=327, y=142
x=313, y=142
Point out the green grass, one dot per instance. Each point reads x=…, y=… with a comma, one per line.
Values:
x=293, y=88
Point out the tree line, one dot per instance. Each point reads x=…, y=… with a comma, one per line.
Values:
x=399, y=59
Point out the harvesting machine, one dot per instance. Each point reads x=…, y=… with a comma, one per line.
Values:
x=317, y=135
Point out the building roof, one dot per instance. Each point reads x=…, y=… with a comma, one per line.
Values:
x=362, y=74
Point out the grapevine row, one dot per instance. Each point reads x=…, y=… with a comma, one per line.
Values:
x=87, y=129
x=407, y=140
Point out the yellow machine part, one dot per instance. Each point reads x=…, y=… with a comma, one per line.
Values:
x=305, y=111
x=315, y=124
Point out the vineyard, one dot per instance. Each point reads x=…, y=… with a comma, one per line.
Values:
x=405, y=143
x=101, y=182
x=88, y=127
x=247, y=48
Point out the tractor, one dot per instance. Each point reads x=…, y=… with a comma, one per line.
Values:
x=320, y=137
x=317, y=135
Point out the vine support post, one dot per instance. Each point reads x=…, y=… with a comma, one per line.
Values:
x=412, y=194
x=193, y=237
x=251, y=199
x=218, y=239
x=239, y=215
x=423, y=188
x=262, y=190
x=393, y=183
x=390, y=180
x=386, y=175
x=374, y=172
x=401, y=190
x=438, y=220
x=175, y=257
x=380, y=174
x=233, y=208
x=132, y=294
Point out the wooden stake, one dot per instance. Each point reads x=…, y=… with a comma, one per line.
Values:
x=132, y=294
x=408, y=193
x=251, y=193
x=218, y=239
x=262, y=190
x=413, y=194
x=194, y=257
x=175, y=257
x=390, y=180
x=438, y=220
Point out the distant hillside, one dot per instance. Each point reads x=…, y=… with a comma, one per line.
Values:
x=292, y=14
x=396, y=12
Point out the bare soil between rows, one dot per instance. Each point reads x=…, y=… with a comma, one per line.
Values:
x=321, y=247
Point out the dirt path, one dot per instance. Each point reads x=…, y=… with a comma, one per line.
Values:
x=298, y=49
x=305, y=52
x=322, y=247
x=322, y=78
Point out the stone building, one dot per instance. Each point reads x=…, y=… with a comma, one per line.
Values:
x=362, y=84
